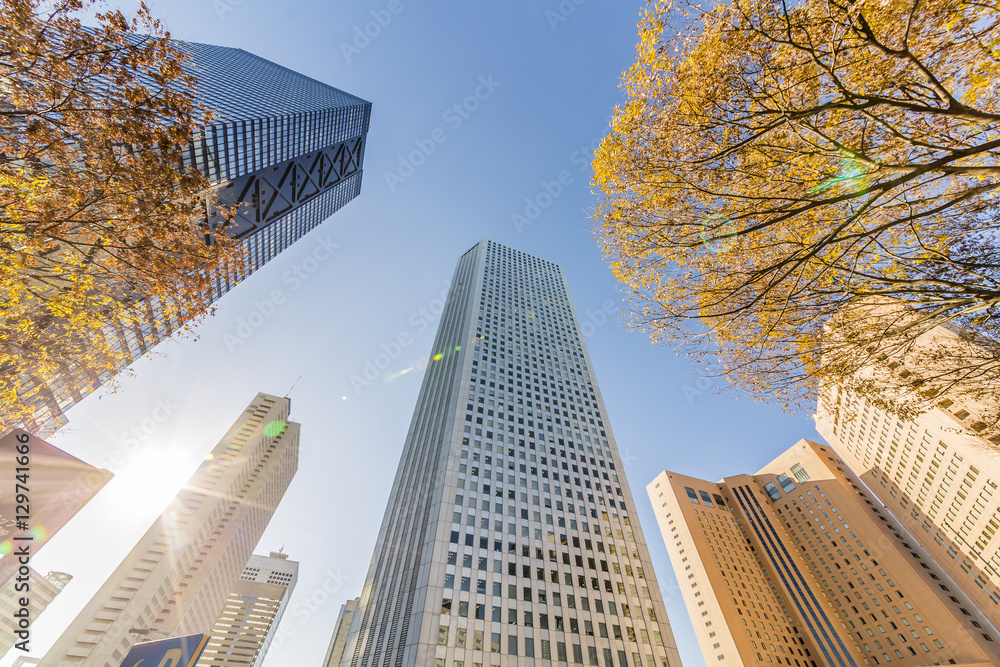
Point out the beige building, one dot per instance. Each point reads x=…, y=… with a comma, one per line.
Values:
x=41, y=592
x=937, y=474
x=338, y=642
x=243, y=632
x=177, y=579
x=798, y=565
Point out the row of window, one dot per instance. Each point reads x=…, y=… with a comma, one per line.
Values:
x=526, y=647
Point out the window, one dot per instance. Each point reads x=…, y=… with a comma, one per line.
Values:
x=786, y=483
x=692, y=496
x=772, y=491
x=800, y=473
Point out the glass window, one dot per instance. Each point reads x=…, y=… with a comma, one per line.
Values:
x=800, y=473
x=786, y=484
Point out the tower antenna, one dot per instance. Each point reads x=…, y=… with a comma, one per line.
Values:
x=293, y=386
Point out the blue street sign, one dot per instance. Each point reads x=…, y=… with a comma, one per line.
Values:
x=172, y=652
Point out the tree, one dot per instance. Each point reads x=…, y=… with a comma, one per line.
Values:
x=101, y=224
x=777, y=164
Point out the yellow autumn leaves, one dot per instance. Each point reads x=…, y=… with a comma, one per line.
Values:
x=775, y=163
x=101, y=229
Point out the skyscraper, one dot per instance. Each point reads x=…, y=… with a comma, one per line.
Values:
x=510, y=532
x=176, y=580
x=338, y=641
x=796, y=565
x=937, y=474
x=41, y=592
x=243, y=632
x=290, y=147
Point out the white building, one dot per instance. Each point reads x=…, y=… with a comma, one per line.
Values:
x=176, y=580
x=510, y=533
x=244, y=630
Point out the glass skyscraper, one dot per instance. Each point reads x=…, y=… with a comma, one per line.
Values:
x=290, y=147
x=510, y=534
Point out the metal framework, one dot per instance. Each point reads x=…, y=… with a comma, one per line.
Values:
x=265, y=196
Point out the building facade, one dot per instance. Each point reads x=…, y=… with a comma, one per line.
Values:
x=510, y=534
x=937, y=474
x=43, y=590
x=338, y=642
x=60, y=485
x=244, y=630
x=176, y=580
x=798, y=565
x=289, y=147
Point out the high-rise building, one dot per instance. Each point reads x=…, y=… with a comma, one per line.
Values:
x=937, y=474
x=176, y=580
x=338, y=642
x=510, y=533
x=40, y=593
x=290, y=147
x=797, y=565
x=244, y=630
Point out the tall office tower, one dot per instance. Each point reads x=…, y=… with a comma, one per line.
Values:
x=937, y=474
x=338, y=642
x=244, y=630
x=510, y=532
x=176, y=580
x=40, y=593
x=796, y=565
x=290, y=147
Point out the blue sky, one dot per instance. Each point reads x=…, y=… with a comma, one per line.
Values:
x=547, y=78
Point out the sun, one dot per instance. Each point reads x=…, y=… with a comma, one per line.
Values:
x=151, y=479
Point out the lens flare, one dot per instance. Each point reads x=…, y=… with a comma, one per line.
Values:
x=275, y=428
x=172, y=530
x=718, y=233
x=849, y=170
x=392, y=377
